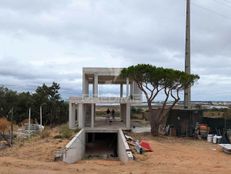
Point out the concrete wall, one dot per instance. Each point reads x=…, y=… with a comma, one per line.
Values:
x=75, y=149
x=124, y=152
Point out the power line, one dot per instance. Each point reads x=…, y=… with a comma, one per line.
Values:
x=223, y=3
x=227, y=1
x=20, y=87
x=212, y=11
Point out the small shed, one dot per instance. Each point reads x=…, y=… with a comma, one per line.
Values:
x=184, y=120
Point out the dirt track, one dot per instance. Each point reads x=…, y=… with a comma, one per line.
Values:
x=171, y=155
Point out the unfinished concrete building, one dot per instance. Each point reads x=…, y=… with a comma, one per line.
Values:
x=82, y=114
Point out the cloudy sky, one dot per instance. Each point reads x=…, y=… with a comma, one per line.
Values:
x=51, y=40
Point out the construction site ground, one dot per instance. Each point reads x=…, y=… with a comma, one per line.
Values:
x=170, y=155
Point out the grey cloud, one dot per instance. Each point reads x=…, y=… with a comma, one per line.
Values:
x=132, y=31
x=19, y=69
x=31, y=6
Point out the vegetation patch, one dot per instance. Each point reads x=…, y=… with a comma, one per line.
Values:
x=65, y=132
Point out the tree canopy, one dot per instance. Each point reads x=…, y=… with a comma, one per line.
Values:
x=152, y=80
x=55, y=109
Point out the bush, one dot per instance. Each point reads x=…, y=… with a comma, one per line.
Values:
x=57, y=137
x=65, y=132
x=45, y=133
x=4, y=125
x=136, y=110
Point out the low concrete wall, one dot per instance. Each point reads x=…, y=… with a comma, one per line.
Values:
x=75, y=149
x=124, y=152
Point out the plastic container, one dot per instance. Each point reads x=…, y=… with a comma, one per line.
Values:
x=215, y=139
x=210, y=138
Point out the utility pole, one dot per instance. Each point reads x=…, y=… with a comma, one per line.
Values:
x=187, y=91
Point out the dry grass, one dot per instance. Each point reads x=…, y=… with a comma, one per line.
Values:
x=171, y=155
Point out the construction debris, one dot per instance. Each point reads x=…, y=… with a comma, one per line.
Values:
x=128, y=138
x=146, y=146
x=28, y=130
x=138, y=147
x=58, y=155
x=226, y=148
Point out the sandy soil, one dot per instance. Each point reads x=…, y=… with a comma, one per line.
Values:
x=171, y=155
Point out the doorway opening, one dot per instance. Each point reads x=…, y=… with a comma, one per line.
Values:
x=101, y=145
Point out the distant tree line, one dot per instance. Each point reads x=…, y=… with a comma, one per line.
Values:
x=14, y=105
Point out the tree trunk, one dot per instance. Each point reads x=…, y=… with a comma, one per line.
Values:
x=154, y=127
x=153, y=121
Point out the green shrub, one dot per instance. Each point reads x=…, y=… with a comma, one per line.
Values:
x=65, y=132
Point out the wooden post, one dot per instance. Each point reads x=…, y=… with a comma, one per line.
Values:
x=41, y=115
x=29, y=121
x=11, y=128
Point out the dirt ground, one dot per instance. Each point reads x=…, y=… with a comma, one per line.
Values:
x=171, y=155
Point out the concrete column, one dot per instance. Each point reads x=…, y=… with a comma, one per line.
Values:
x=92, y=115
x=94, y=112
x=80, y=115
x=85, y=86
x=121, y=90
x=123, y=112
x=128, y=116
x=71, y=116
x=132, y=89
x=95, y=86
x=74, y=114
x=127, y=87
